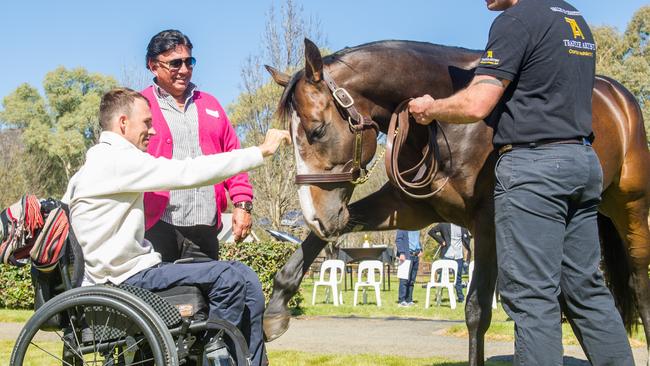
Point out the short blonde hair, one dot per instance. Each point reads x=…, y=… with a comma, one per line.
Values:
x=116, y=101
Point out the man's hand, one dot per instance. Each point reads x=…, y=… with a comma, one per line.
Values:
x=241, y=224
x=421, y=253
x=420, y=109
x=273, y=140
x=402, y=258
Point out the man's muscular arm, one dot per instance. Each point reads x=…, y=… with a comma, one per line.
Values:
x=469, y=105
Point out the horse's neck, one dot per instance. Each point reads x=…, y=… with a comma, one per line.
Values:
x=386, y=81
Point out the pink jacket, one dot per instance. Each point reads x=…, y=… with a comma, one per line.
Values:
x=216, y=135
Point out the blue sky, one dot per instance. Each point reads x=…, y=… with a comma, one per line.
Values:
x=110, y=37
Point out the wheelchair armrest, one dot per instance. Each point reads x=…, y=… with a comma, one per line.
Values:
x=192, y=260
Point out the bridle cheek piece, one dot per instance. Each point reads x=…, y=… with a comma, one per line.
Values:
x=353, y=172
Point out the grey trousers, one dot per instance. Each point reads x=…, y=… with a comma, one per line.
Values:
x=548, y=254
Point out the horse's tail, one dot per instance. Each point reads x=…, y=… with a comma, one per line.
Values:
x=617, y=270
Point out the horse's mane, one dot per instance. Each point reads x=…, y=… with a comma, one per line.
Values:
x=285, y=105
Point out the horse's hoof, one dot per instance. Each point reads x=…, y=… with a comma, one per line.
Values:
x=275, y=326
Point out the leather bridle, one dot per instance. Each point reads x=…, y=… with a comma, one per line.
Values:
x=353, y=171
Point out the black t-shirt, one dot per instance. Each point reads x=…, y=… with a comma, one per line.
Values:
x=546, y=49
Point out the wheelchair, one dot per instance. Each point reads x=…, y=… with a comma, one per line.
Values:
x=117, y=325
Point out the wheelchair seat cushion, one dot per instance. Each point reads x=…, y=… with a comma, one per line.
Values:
x=169, y=314
x=187, y=299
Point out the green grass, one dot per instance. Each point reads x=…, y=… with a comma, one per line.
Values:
x=15, y=316
x=294, y=358
x=504, y=331
x=34, y=360
x=388, y=307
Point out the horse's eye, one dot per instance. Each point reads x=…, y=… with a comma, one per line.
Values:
x=317, y=132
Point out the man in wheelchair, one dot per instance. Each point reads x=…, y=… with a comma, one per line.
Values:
x=105, y=200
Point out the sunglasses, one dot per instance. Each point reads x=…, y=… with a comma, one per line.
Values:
x=176, y=64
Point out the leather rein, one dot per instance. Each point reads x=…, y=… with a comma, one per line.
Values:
x=425, y=171
x=358, y=123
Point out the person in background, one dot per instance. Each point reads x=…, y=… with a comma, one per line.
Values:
x=189, y=123
x=453, y=240
x=408, y=247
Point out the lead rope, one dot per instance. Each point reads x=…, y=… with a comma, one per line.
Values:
x=426, y=170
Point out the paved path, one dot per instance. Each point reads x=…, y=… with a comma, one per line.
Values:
x=398, y=336
x=390, y=336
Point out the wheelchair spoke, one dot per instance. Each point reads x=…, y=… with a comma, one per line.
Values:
x=113, y=328
x=76, y=338
x=105, y=326
x=68, y=345
x=142, y=361
x=92, y=327
x=126, y=332
x=129, y=347
x=50, y=353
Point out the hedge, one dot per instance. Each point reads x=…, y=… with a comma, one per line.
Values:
x=265, y=258
x=16, y=291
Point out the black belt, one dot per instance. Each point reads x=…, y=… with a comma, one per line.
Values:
x=531, y=145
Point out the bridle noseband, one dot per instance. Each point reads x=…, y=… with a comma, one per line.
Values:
x=357, y=122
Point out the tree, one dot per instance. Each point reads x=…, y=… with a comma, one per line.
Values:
x=58, y=129
x=254, y=111
x=626, y=57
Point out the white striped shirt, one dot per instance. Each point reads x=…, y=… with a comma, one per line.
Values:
x=195, y=206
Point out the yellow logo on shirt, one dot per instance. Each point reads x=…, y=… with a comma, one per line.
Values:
x=489, y=59
x=577, y=32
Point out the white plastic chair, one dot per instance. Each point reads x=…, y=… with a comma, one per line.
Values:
x=443, y=266
x=469, y=282
x=335, y=267
x=372, y=281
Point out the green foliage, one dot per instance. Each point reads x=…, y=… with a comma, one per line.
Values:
x=265, y=258
x=57, y=129
x=16, y=287
x=626, y=57
x=254, y=111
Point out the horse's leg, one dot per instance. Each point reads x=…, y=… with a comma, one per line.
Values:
x=286, y=283
x=382, y=210
x=631, y=221
x=478, y=308
x=638, y=243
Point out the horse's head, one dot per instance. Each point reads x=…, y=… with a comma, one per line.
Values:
x=328, y=160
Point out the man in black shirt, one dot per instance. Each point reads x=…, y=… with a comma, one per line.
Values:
x=533, y=85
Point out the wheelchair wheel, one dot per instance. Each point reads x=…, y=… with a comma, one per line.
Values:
x=95, y=330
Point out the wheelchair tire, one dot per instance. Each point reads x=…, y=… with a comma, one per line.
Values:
x=101, y=320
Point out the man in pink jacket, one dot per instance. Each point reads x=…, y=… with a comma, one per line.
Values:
x=189, y=123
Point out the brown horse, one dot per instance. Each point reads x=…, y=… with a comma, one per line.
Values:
x=378, y=76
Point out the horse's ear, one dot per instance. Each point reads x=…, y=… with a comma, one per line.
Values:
x=313, y=62
x=278, y=76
